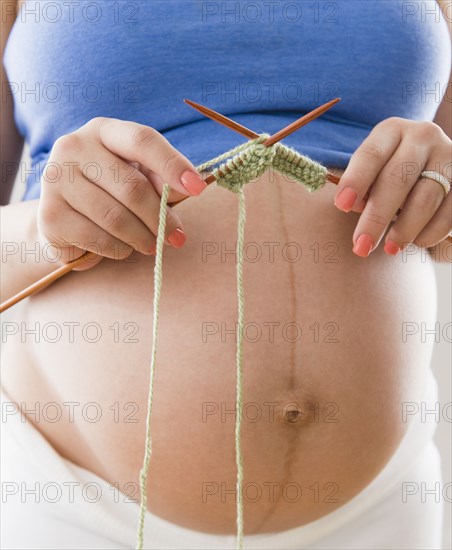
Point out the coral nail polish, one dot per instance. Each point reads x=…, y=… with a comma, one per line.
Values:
x=177, y=238
x=346, y=199
x=391, y=248
x=192, y=182
x=363, y=246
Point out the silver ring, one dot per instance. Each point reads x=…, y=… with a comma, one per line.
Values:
x=439, y=178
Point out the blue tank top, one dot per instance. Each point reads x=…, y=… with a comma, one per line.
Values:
x=263, y=63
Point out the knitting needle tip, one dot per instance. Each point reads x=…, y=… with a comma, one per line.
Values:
x=306, y=119
x=221, y=119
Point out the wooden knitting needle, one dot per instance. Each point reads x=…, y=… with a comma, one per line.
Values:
x=290, y=129
x=306, y=119
x=52, y=277
x=225, y=121
x=44, y=282
x=244, y=131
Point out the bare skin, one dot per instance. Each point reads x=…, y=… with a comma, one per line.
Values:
x=351, y=364
x=360, y=381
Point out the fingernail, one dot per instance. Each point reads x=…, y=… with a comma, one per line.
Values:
x=346, y=199
x=177, y=238
x=192, y=182
x=392, y=248
x=363, y=246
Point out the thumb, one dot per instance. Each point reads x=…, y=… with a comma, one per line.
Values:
x=85, y=261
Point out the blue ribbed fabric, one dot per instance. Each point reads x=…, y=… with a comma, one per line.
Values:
x=264, y=63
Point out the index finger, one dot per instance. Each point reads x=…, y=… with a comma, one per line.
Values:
x=366, y=164
x=140, y=143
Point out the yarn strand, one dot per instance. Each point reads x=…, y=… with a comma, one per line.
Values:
x=158, y=279
x=239, y=365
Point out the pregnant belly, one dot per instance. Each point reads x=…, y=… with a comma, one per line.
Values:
x=326, y=363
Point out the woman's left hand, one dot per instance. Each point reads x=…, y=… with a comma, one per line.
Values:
x=383, y=178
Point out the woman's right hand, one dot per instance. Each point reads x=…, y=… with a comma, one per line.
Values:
x=101, y=188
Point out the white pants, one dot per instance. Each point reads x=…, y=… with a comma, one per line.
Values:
x=49, y=503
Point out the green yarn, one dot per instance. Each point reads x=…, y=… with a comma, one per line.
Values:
x=251, y=159
x=158, y=280
x=245, y=163
x=239, y=366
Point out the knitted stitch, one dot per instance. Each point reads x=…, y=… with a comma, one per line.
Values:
x=251, y=159
x=246, y=162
